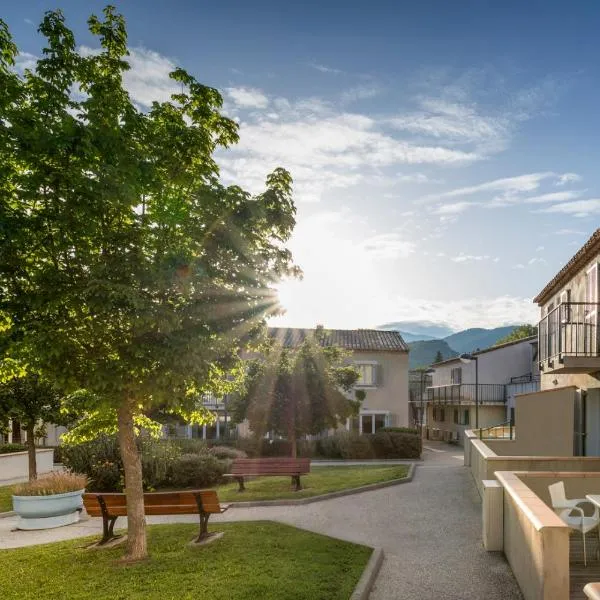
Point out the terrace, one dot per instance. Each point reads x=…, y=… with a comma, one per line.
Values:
x=467, y=393
x=568, y=339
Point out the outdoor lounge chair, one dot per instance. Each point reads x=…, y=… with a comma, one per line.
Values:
x=564, y=508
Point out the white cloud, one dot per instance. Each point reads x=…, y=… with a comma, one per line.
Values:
x=553, y=197
x=536, y=260
x=449, y=120
x=464, y=258
x=511, y=185
x=453, y=209
x=539, y=249
x=569, y=232
x=568, y=178
x=578, y=208
x=245, y=97
x=324, y=148
x=325, y=69
x=387, y=245
x=25, y=60
x=360, y=92
x=148, y=79
x=415, y=178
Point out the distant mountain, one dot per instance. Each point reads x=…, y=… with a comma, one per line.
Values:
x=423, y=353
x=426, y=330
x=477, y=338
x=407, y=336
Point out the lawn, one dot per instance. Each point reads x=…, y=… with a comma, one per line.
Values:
x=321, y=480
x=253, y=560
x=5, y=498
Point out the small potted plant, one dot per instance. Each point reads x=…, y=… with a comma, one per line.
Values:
x=50, y=501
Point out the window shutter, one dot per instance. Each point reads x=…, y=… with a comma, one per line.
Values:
x=378, y=375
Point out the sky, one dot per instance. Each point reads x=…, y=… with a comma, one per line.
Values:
x=444, y=154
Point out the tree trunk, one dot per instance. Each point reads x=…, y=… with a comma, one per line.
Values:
x=16, y=431
x=31, y=451
x=132, y=465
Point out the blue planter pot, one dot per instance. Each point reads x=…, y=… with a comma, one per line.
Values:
x=47, y=512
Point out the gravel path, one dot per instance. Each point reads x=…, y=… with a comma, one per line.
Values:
x=430, y=530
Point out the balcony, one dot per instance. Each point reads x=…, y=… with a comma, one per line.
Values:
x=466, y=393
x=568, y=339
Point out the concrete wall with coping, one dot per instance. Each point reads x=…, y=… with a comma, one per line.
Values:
x=535, y=542
x=16, y=464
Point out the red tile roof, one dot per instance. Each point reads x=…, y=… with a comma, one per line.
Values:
x=350, y=339
x=583, y=256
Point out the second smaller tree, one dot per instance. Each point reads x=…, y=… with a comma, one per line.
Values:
x=296, y=391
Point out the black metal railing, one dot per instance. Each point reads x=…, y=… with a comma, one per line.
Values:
x=570, y=329
x=504, y=430
x=467, y=392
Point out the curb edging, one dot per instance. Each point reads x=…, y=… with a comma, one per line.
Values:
x=367, y=579
x=339, y=494
x=10, y=513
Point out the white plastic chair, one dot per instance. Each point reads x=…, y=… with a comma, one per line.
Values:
x=563, y=507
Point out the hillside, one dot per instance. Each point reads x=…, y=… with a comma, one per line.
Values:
x=408, y=336
x=422, y=353
x=425, y=330
x=476, y=338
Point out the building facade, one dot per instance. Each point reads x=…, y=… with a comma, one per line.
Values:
x=569, y=340
x=480, y=391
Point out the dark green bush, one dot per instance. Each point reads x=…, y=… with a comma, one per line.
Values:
x=412, y=430
x=383, y=444
x=190, y=446
x=195, y=470
x=226, y=452
x=390, y=444
x=10, y=448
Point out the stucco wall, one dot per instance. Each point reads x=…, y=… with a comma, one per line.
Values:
x=489, y=415
x=496, y=366
x=391, y=392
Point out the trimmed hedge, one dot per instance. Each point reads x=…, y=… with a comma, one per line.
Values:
x=10, y=448
x=388, y=443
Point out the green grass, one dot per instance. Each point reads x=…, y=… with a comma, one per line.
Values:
x=6, y=498
x=321, y=480
x=253, y=560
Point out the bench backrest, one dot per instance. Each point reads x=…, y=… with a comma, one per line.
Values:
x=270, y=466
x=155, y=503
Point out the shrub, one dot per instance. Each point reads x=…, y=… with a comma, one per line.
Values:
x=383, y=444
x=226, y=452
x=412, y=430
x=10, y=448
x=190, y=446
x=58, y=482
x=391, y=444
x=158, y=458
x=195, y=470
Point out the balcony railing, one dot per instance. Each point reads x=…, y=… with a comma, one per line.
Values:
x=460, y=393
x=571, y=329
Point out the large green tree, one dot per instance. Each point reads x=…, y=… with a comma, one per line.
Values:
x=296, y=391
x=126, y=268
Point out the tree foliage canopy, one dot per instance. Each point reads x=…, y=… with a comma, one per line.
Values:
x=297, y=391
x=518, y=333
x=127, y=269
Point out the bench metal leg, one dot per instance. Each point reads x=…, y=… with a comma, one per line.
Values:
x=296, y=483
x=240, y=481
x=108, y=524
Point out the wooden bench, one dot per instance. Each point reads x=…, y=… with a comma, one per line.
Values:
x=109, y=506
x=252, y=467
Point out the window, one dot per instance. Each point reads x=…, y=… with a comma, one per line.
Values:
x=464, y=417
x=456, y=375
x=367, y=374
x=369, y=422
x=456, y=416
x=565, y=298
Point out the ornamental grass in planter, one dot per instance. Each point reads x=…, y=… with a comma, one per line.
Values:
x=53, y=500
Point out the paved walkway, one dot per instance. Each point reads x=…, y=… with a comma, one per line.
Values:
x=430, y=530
